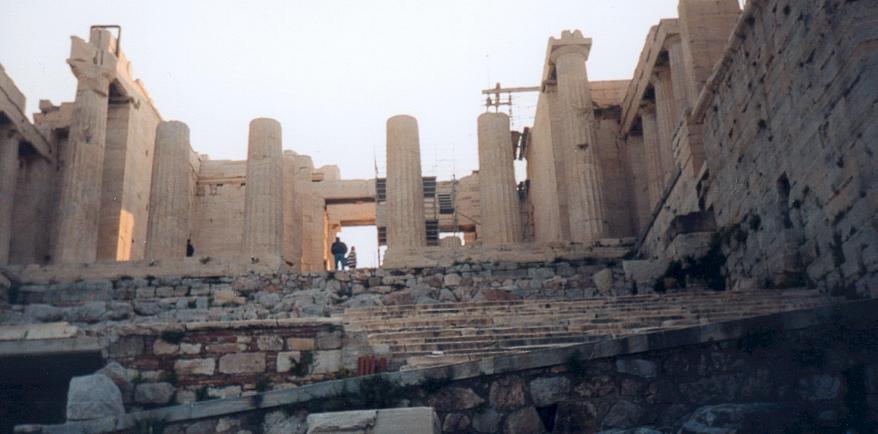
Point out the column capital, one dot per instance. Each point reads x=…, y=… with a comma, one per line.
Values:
x=93, y=63
x=570, y=42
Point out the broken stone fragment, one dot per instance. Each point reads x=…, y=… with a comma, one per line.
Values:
x=93, y=396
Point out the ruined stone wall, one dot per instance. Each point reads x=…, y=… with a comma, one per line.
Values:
x=34, y=211
x=789, y=139
x=183, y=364
x=814, y=379
x=176, y=299
x=219, y=209
x=614, y=184
x=126, y=181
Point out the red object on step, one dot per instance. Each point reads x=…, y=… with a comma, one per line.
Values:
x=368, y=365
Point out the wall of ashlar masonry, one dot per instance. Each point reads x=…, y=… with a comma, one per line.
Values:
x=218, y=222
x=34, y=180
x=126, y=180
x=789, y=140
x=201, y=361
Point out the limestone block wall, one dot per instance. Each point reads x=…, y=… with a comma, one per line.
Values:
x=219, y=208
x=125, y=191
x=33, y=211
x=789, y=140
x=200, y=361
x=614, y=182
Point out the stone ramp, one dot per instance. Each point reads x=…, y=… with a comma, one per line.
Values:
x=436, y=334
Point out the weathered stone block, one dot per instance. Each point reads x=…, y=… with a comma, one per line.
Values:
x=286, y=360
x=548, y=390
x=242, y=363
x=507, y=393
x=191, y=367
x=326, y=362
x=269, y=343
x=300, y=344
x=93, y=396
x=154, y=393
x=523, y=421
x=161, y=347
x=330, y=340
x=455, y=399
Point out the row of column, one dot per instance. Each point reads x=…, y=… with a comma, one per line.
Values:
x=405, y=196
x=171, y=195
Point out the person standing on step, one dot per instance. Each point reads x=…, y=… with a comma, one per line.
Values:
x=351, y=262
x=338, y=250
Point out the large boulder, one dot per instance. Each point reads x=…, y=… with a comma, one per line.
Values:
x=93, y=396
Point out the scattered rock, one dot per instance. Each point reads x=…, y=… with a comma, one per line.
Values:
x=603, y=280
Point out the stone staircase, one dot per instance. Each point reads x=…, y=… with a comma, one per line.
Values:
x=429, y=335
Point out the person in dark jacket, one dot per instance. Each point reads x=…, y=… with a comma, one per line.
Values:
x=338, y=250
x=352, y=259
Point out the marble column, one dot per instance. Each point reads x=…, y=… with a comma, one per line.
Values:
x=311, y=210
x=292, y=210
x=498, y=198
x=79, y=201
x=406, y=227
x=8, y=180
x=666, y=114
x=263, y=197
x=651, y=154
x=582, y=169
x=170, y=198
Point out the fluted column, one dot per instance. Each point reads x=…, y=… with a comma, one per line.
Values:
x=666, y=114
x=8, y=180
x=263, y=197
x=311, y=210
x=292, y=211
x=79, y=202
x=170, y=197
x=651, y=154
x=582, y=169
x=498, y=199
x=405, y=191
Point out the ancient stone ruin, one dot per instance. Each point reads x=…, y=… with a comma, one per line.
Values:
x=694, y=250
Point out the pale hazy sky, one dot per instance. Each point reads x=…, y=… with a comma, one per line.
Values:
x=330, y=71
